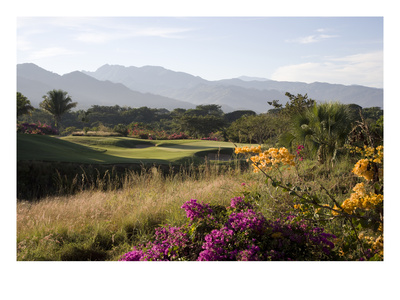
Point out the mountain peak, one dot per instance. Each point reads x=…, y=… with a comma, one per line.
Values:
x=249, y=78
x=31, y=68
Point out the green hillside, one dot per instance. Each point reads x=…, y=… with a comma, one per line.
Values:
x=110, y=150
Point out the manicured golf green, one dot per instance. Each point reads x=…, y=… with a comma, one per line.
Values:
x=114, y=150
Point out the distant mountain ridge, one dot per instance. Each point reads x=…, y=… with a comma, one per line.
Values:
x=146, y=79
x=239, y=93
x=34, y=82
x=157, y=87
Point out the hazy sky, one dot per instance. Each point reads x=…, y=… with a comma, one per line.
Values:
x=346, y=50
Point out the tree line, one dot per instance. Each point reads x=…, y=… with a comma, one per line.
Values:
x=323, y=127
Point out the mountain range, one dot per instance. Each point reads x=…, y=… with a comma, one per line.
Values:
x=157, y=87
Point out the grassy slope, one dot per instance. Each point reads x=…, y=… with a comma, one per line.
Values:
x=108, y=150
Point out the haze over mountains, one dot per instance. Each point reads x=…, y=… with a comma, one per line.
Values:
x=157, y=87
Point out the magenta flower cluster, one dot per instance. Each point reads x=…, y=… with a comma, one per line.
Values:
x=240, y=203
x=216, y=245
x=196, y=210
x=298, y=152
x=237, y=232
x=246, y=220
x=39, y=128
x=168, y=244
x=178, y=136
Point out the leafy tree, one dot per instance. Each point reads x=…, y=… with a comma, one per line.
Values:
x=237, y=114
x=254, y=128
x=200, y=126
x=107, y=115
x=57, y=102
x=373, y=113
x=199, y=122
x=295, y=105
x=206, y=110
x=37, y=115
x=122, y=129
x=354, y=112
x=23, y=105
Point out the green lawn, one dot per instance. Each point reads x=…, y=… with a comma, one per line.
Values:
x=110, y=150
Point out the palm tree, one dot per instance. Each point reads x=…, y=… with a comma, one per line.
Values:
x=23, y=105
x=326, y=125
x=57, y=102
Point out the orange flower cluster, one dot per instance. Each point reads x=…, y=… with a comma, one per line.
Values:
x=266, y=160
x=363, y=167
x=360, y=199
x=252, y=149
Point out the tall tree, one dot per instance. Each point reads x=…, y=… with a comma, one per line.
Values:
x=200, y=121
x=57, y=102
x=237, y=114
x=23, y=105
x=254, y=128
x=295, y=105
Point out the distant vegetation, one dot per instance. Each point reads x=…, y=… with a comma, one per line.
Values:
x=206, y=121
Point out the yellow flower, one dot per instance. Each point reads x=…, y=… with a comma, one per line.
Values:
x=334, y=212
x=359, y=189
x=362, y=169
x=245, y=149
x=369, y=151
x=360, y=199
x=271, y=157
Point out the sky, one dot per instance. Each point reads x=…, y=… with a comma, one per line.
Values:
x=342, y=50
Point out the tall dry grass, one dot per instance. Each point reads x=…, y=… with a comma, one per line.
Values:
x=103, y=223
x=113, y=219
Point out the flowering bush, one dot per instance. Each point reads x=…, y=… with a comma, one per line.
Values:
x=145, y=133
x=180, y=136
x=32, y=128
x=299, y=149
x=366, y=201
x=268, y=159
x=236, y=232
x=214, y=136
x=362, y=213
x=196, y=210
x=360, y=199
